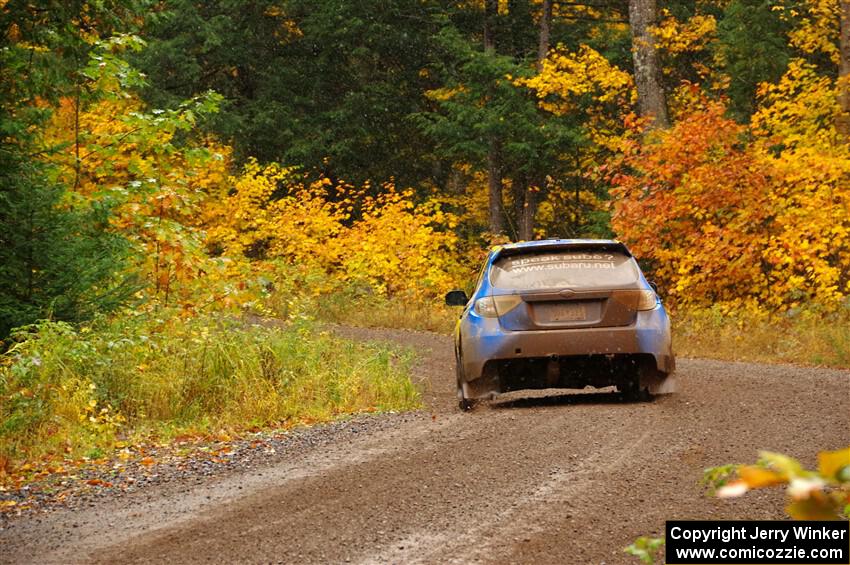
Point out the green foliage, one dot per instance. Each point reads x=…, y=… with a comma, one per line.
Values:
x=478, y=102
x=326, y=85
x=478, y=110
x=753, y=46
x=645, y=549
x=54, y=261
x=717, y=477
x=68, y=390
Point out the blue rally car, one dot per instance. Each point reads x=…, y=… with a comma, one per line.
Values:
x=563, y=313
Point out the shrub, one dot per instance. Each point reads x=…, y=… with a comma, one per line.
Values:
x=387, y=243
x=67, y=390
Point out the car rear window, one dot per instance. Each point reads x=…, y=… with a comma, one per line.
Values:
x=564, y=269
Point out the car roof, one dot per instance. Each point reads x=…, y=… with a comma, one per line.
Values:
x=522, y=247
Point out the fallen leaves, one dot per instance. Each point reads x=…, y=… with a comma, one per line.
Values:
x=51, y=480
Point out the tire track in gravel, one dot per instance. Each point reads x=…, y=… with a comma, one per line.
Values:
x=570, y=479
x=472, y=543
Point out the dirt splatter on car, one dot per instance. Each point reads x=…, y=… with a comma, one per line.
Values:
x=561, y=314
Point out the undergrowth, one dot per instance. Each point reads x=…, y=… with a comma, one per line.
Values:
x=804, y=337
x=800, y=337
x=371, y=311
x=69, y=391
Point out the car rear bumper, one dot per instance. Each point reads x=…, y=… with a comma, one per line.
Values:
x=484, y=340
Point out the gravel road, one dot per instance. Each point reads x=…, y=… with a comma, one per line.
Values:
x=569, y=479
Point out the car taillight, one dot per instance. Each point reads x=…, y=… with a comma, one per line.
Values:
x=494, y=306
x=637, y=299
x=647, y=300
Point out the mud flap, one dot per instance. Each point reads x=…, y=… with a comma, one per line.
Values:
x=486, y=387
x=657, y=383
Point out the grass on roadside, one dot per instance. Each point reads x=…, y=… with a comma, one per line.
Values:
x=806, y=337
x=375, y=311
x=68, y=392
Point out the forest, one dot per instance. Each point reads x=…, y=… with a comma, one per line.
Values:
x=171, y=168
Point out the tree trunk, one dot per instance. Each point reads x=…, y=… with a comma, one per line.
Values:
x=525, y=199
x=494, y=186
x=494, y=165
x=519, y=185
x=491, y=10
x=651, y=99
x=525, y=220
x=842, y=122
x=545, y=26
x=577, y=204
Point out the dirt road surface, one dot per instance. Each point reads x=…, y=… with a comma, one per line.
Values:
x=569, y=479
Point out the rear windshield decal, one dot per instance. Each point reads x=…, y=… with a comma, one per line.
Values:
x=564, y=270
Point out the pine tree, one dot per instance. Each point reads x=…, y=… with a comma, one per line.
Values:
x=753, y=44
x=54, y=261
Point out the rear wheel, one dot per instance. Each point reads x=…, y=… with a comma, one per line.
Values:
x=631, y=389
x=465, y=404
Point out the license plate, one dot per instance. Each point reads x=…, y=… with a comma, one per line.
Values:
x=567, y=312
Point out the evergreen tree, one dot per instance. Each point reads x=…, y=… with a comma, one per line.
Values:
x=753, y=44
x=479, y=102
x=325, y=85
x=55, y=260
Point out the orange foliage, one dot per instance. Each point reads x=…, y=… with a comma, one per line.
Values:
x=736, y=224
x=697, y=205
x=823, y=494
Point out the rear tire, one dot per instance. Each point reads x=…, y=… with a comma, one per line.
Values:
x=631, y=389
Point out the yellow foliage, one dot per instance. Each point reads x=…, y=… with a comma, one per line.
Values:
x=585, y=81
x=386, y=243
x=397, y=247
x=798, y=110
x=575, y=10
x=816, y=29
x=686, y=98
x=270, y=215
x=744, y=226
x=566, y=76
x=113, y=154
x=812, y=495
x=475, y=200
x=202, y=235
x=677, y=37
x=811, y=185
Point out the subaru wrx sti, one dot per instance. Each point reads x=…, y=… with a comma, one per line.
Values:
x=561, y=314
